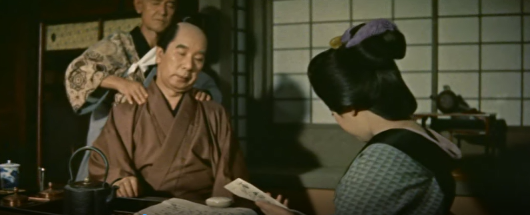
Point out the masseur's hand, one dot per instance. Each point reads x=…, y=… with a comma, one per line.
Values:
x=270, y=209
x=201, y=95
x=134, y=92
x=128, y=187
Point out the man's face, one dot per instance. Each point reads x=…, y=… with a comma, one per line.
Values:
x=156, y=14
x=183, y=59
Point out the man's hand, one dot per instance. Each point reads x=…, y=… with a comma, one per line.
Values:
x=201, y=95
x=128, y=187
x=270, y=209
x=133, y=91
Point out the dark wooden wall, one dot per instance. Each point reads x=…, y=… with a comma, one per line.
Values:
x=18, y=66
x=19, y=43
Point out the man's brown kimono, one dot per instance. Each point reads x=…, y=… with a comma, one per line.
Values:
x=191, y=155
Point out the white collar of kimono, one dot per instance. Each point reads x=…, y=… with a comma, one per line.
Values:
x=445, y=144
x=146, y=61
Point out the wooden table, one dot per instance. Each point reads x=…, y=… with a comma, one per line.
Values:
x=464, y=125
x=121, y=206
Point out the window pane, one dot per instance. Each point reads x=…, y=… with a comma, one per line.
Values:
x=510, y=110
x=416, y=31
x=291, y=111
x=291, y=86
x=501, y=84
x=290, y=61
x=371, y=9
x=242, y=85
x=459, y=57
x=331, y=10
x=501, y=57
x=283, y=11
x=411, y=8
x=291, y=36
x=241, y=41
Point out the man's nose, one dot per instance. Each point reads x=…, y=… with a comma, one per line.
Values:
x=187, y=63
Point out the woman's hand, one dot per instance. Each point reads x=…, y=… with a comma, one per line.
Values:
x=270, y=209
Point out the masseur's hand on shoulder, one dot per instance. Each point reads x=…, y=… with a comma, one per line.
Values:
x=133, y=91
x=129, y=187
x=270, y=209
x=201, y=95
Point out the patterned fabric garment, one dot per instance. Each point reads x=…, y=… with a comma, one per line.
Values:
x=110, y=56
x=383, y=180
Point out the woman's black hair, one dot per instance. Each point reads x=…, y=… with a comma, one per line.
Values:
x=364, y=77
x=169, y=34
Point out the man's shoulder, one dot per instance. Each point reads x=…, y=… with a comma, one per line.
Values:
x=212, y=106
x=213, y=109
x=124, y=109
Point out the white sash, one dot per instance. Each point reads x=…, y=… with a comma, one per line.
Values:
x=146, y=61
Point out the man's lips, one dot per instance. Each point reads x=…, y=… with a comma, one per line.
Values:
x=181, y=79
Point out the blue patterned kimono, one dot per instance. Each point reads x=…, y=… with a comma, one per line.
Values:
x=385, y=180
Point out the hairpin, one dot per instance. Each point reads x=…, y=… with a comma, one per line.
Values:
x=371, y=28
x=336, y=42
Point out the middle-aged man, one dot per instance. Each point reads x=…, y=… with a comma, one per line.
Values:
x=120, y=64
x=173, y=144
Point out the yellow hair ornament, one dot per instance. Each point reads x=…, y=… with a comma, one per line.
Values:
x=335, y=43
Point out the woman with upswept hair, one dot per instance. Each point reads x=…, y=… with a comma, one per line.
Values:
x=404, y=168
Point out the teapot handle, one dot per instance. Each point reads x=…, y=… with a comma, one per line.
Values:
x=93, y=149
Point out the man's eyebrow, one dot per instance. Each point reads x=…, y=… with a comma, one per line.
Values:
x=181, y=46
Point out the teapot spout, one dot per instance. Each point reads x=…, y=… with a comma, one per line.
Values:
x=112, y=194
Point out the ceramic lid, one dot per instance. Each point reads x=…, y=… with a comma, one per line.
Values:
x=9, y=164
x=50, y=192
x=87, y=184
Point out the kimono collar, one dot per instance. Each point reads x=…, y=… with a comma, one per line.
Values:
x=140, y=43
x=146, y=54
x=157, y=106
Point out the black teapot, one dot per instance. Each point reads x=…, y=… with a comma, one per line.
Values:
x=88, y=197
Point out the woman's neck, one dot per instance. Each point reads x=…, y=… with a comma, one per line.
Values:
x=380, y=124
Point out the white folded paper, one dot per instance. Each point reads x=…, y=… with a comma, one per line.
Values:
x=184, y=207
x=243, y=189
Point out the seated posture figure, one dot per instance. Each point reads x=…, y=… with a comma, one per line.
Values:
x=404, y=168
x=172, y=145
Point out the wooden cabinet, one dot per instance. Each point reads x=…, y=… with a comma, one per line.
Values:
x=18, y=70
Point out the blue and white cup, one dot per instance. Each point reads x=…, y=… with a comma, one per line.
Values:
x=9, y=175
